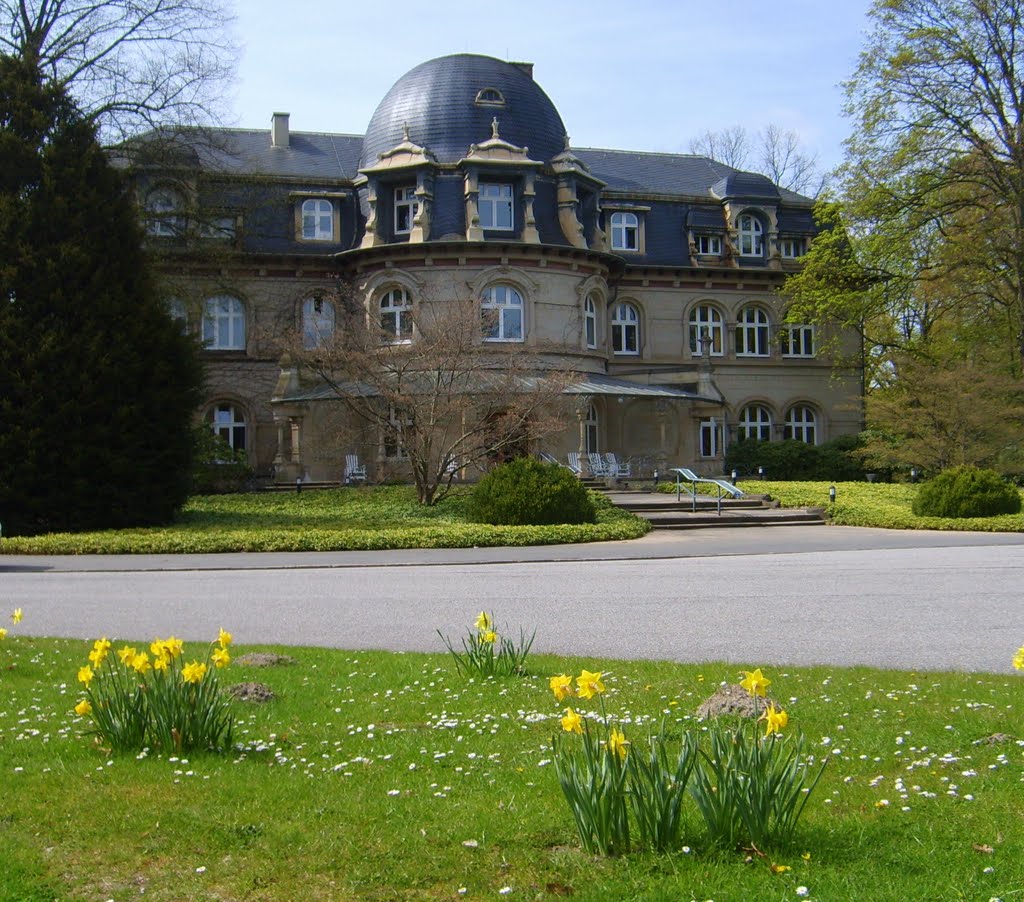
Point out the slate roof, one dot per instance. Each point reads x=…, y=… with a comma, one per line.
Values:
x=314, y=156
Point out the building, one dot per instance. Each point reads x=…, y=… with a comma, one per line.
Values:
x=655, y=275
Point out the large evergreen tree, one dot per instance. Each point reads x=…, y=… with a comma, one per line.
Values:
x=97, y=382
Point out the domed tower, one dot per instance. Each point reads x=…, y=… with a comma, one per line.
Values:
x=470, y=148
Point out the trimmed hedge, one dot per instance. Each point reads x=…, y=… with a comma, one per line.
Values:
x=967, y=492
x=529, y=492
x=792, y=460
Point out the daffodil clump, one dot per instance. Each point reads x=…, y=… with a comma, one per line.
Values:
x=749, y=787
x=487, y=653
x=157, y=699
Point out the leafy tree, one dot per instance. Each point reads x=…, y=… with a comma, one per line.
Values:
x=97, y=382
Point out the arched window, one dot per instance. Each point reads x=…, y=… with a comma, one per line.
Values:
x=164, y=217
x=501, y=309
x=317, y=322
x=317, y=220
x=590, y=431
x=625, y=232
x=590, y=321
x=801, y=424
x=396, y=316
x=752, y=333
x=626, y=330
x=751, y=235
x=755, y=422
x=224, y=323
x=489, y=97
x=228, y=422
x=706, y=332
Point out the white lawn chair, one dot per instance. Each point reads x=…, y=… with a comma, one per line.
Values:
x=354, y=471
x=620, y=469
x=574, y=462
x=598, y=466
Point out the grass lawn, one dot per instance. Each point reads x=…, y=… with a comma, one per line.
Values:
x=326, y=520
x=388, y=776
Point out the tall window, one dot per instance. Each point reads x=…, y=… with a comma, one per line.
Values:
x=396, y=316
x=501, y=310
x=164, y=217
x=317, y=220
x=406, y=208
x=179, y=312
x=751, y=235
x=398, y=421
x=590, y=321
x=755, y=422
x=224, y=323
x=626, y=330
x=229, y=423
x=801, y=424
x=590, y=430
x=317, y=322
x=625, y=232
x=496, y=207
x=752, y=333
x=706, y=331
x=710, y=433
x=797, y=340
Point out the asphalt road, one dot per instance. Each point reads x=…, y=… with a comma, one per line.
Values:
x=793, y=595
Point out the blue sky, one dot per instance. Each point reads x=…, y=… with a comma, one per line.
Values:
x=650, y=75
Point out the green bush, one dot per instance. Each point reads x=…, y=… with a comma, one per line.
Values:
x=217, y=468
x=528, y=492
x=967, y=492
x=791, y=460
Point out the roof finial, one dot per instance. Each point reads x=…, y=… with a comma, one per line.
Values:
x=494, y=128
x=567, y=143
x=405, y=131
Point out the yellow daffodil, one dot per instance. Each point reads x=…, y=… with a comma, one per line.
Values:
x=101, y=645
x=561, y=685
x=161, y=663
x=126, y=653
x=755, y=682
x=221, y=657
x=618, y=744
x=572, y=722
x=193, y=672
x=780, y=868
x=16, y=616
x=483, y=621
x=489, y=636
x=774, y=720
x=83, y=708
x=1018, y=659
x=174, y=646
x=141, y=663
x=100, y=648
x=224, y=638
x=85, y=674
x=589, y=684
x=3, y=633
x=157, y=648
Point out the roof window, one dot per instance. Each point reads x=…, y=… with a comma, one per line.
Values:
x=490, y=97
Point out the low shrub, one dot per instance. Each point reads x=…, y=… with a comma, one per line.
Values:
x=792, y=460
x=967, y=492
x=217, y=468
x=528, y=492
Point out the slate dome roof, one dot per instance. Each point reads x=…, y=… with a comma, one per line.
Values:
x=438, y=101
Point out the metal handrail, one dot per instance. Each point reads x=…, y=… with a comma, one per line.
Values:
x=691, y=477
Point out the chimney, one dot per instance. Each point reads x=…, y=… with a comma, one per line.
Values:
x=525, y=67
x=279, y=129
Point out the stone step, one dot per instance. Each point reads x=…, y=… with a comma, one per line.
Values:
x=764, y=517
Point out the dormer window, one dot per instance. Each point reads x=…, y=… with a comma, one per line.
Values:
x=751, y=235
x=164, y=219
x=406, y=208
x=490, y=97
x=625, y=232
x=496, y=207
x=317, y=220
x=708, y=245
x=791, y=248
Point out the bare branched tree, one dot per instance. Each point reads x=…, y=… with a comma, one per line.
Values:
x=729, y=145
x=130, y=65
x=431, y=394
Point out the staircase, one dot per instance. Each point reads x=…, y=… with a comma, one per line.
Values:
x=664, y=512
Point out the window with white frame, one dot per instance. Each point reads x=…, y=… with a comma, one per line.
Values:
x=164, y=213
x=625, y=232
x=222, y=228
x=751, y=235
x=626, y=330
x=396, y=316
x=755, y=423
x=752, y=333
x=708, y=245
x=495, y=207
x=394, y=432
x=797, y=340
x=178, y=312
x=317, y=322
x=709, y=438
x=317, y=220
x=590, y=321
x=228, y=422
x=801, y=424
x=590, y=425
x=706, y=331
x=406, y=208
x=792, y=247
x=501, y=310
x=224, y=323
